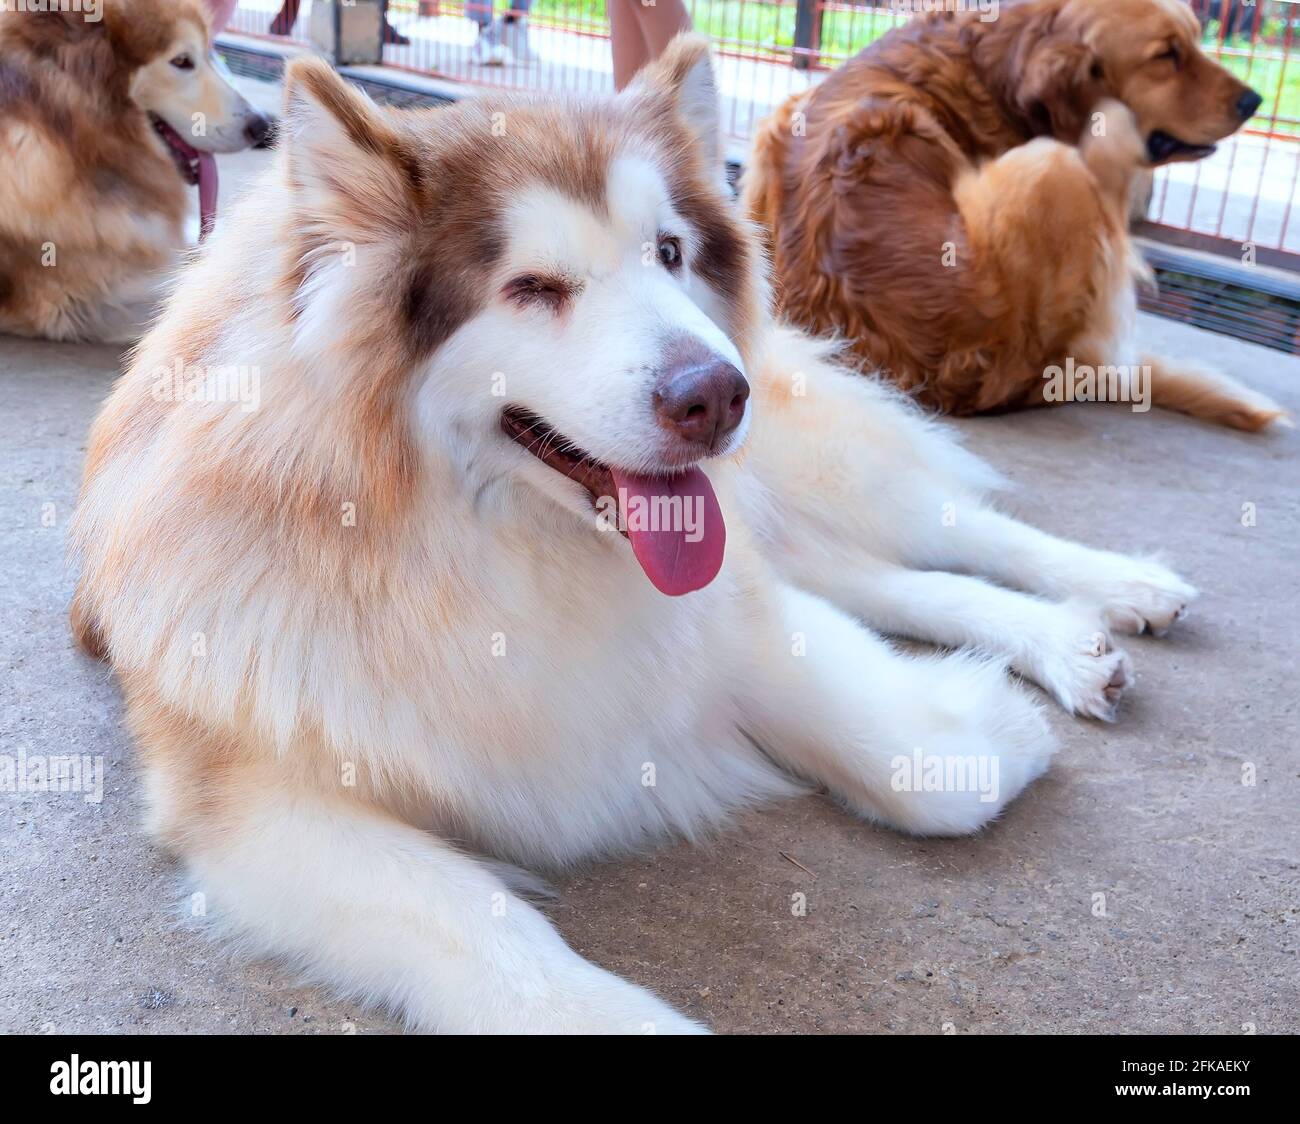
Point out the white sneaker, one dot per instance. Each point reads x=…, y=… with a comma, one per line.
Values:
x=489, y=49
x=514, y=35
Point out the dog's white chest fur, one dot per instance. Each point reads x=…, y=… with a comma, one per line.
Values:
x=577, y=709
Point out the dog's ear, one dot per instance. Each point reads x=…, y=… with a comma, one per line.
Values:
x=1061, y=79
x=684, y=74
x=353, y=173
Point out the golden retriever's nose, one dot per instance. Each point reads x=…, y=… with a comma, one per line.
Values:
x=699, y=396
x=1247, y=104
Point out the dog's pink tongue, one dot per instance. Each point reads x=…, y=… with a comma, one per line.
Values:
x=207, y=193
x=675, y=526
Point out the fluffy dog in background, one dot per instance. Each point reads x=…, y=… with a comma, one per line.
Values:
x=103, y=124
x=930, y=202
x=543, y=542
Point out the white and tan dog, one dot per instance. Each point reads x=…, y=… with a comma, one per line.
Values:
x=381, y=631
x=107, y=111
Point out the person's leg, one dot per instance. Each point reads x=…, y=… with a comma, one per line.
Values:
x=639, y=31
x=480, y=11
x=626, y=41
x=514, y=31
x=661, y=21
x=391, y=35
x=288, y=16
x=285, y=18
x=489, y=50
x=222, y=11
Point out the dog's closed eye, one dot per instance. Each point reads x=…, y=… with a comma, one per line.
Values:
x=1171, y=53
x=537, y=289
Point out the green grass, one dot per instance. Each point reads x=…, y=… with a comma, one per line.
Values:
x=1264, y=74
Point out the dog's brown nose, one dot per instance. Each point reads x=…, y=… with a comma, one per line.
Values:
x=1247, y=104
x=699, y=395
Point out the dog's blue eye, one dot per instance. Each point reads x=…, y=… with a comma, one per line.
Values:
x=183, y=62
x=670, y=251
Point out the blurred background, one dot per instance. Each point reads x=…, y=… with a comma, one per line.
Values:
x=768, y=49
x=1221, y=235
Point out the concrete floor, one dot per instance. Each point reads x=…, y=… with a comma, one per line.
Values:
x=994, y=934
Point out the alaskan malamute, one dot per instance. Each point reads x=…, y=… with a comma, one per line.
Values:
x=537, y=541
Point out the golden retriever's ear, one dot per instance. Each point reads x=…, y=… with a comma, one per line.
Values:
x=1061, y=79
x=350, y=169
x=684, y=74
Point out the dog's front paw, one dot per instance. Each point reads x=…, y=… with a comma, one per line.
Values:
x=1140, y=596
x=1083, y=671
x=972, y=745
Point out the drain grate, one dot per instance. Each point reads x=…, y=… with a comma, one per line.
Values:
x=1257, y=305
x=267, y=66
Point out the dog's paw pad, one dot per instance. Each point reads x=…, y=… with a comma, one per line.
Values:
x=1099, y=692
x=1159, y=626
x=1144, y=599
x=1087, y=677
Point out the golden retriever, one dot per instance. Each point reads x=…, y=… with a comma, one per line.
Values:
x=954, y=201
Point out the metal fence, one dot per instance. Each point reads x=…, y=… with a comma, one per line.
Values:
x=1240, y=201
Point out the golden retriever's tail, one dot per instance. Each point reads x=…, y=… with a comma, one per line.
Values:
x=1215, y=397
x=760, y=186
